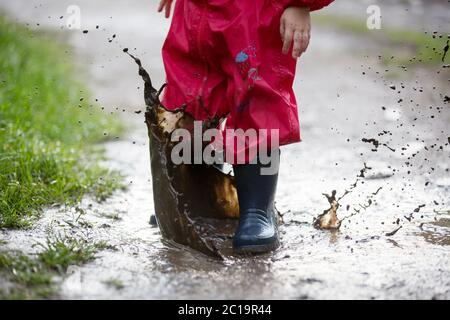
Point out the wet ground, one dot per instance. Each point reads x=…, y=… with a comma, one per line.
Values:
x=345, y=96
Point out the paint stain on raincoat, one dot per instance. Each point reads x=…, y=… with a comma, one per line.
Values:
x=228, y=53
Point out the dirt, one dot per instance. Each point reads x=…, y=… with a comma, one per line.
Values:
x=384, y=250
x=445, y=51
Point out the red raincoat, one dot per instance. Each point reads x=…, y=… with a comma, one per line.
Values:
x=228, y=52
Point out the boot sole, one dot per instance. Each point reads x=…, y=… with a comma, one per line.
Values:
x=257, y=248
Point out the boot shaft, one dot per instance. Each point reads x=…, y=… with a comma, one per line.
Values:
x=256, y=190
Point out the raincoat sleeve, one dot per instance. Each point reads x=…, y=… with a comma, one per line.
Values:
x=312, y=4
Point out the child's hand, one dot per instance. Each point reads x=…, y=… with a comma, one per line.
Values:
x=295, y=24
x=167, y=4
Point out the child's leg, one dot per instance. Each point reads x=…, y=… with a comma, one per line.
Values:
x=257, y=231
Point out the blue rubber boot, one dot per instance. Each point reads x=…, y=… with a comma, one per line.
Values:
x=257, y=231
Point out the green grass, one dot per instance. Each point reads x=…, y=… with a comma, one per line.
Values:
x=113, y=216
x=23, y=269
x=47, y=128
x=32, y=276
x=114, y=283
x=30, y=279
x=407, y=47
x=60, y=252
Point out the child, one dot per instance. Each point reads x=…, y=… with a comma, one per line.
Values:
x=239, y=57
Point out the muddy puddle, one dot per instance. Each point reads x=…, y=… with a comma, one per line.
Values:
x=392, y=241
x=194, y=204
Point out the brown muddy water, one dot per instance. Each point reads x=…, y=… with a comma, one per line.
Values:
x=381, y=136
x=194, y=204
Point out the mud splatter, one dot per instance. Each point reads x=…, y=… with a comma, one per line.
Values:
x=192, y=202
x=419, y=207
x=390, y=234
x=445, y=51
x=363, y=206
x=328, y=220
x=376, y=144
x=446, y=99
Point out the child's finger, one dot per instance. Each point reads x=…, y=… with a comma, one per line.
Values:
x=296, y=50
x=302, y=43
x=168, y=7
x=282, y=29
x=288, y=34
x=305, y=41
x=161, y=5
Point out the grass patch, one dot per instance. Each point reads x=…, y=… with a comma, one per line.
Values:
x=61, y=252
x=399, y=46
x=24, y=270
x=32, y=277
x=47, y=128
x=113, y=216
x=114, y=283
x=30, y=280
